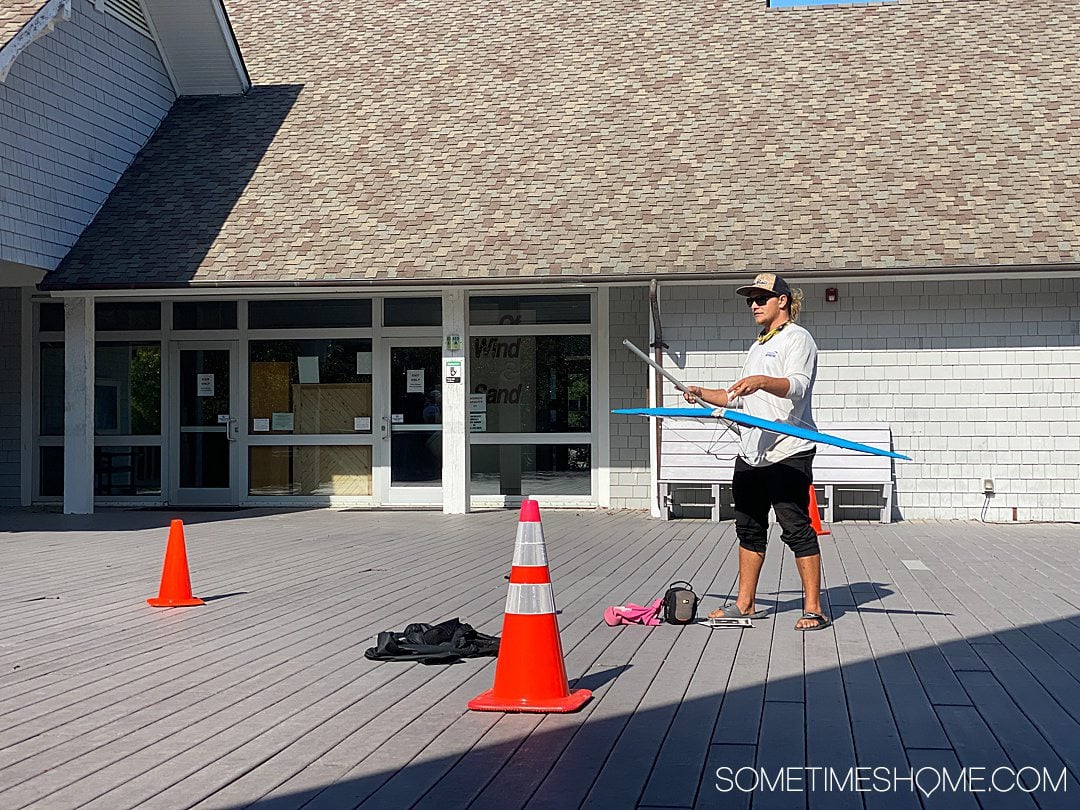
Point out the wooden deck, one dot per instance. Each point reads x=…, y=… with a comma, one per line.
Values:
x=967, y=655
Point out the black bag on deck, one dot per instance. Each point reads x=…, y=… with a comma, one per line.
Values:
x=680, y=603
x=442, y=643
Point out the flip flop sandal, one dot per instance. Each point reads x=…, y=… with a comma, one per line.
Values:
x=822, y=622
x=731, y=611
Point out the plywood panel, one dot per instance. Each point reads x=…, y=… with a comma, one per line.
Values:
x=330, y=407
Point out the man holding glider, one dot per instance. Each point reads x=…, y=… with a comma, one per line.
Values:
x=773, y=470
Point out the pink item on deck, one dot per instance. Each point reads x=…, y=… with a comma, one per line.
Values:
x=634, y=614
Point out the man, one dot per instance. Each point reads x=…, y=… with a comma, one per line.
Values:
x=777, y=383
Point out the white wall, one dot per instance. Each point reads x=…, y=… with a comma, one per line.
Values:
x=629, y=313
x=77, y=106
x=978, y=379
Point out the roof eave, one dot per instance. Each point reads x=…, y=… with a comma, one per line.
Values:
x=42, y=23
x=920, y=273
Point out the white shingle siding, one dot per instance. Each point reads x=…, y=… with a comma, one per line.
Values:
x=75, y=109
x=629, y=309
x=9, y=396
x=978, y=379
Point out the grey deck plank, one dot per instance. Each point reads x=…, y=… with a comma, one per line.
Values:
x=976, y=747
x=932, y=796
x=740, y=713
x=571, y=638
x=607, y=718
x=168, y=689
x=264, y=697
x=1041, y=710
x=1026, y=746
x=786, y=664
x=414, y=727
x=623, y=778
x=874, y=730
x=907, y=604
x=1059, y=682
x=782, y=745
x=592, y=650
x=273, y=703
x=685, y=749
x=600, y=656
x=719, y=786
x=829, y=742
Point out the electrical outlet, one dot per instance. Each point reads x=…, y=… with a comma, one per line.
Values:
x=988, y=486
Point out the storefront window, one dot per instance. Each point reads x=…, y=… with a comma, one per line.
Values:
x=347, y=314
x=412, y=312
x=310, y=470
x=51, y=381
x=204, y=315
x=51, y=471
x=127, y=317
x=127, y=470
x=51, y=317
x=310, y=386
x=516, y=310
x=127, y=389
x=530, y=384
x=531, y=469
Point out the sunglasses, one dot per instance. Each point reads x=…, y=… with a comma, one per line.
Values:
x=760, y=300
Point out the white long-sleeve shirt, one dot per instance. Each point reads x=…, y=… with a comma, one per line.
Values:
x=790, y=353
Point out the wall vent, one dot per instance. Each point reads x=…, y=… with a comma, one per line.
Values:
x=131, y=12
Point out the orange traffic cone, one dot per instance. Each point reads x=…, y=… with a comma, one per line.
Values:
x=175, y=590
x=815, y=515
x=530, y=675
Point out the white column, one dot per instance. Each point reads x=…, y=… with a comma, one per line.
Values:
x=602, y=395
x=455, y=399
x=79, y=406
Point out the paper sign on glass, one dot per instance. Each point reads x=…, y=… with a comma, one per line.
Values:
x=414, y=381
x=363, y=362
x=205, y=385
x=223, y=419
x=282, y=421
x=362, y=423
x=260, y=425
x=309, y=369
x=477, y=403
x=397, y=418
x=477, y=422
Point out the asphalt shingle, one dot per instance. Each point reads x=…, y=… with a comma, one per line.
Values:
x=603, y=138
x=14, y=14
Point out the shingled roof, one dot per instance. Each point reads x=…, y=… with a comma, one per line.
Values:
x=14, y=14
x=596, y=139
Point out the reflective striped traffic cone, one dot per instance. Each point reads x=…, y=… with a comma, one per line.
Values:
x=530, y=675
x=815, y=515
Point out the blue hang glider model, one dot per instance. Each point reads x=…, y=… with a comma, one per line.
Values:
x=744, y=419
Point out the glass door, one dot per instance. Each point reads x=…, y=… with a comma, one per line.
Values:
x=412, y=423
x=205, y=455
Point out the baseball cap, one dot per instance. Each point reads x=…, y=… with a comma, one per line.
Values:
x=766, y=282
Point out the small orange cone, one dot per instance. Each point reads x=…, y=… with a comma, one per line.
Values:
x=815, y=515
x=175, y=590
x=530, y=675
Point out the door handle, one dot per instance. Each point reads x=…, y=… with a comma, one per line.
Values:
x=232, y=429
x=386, y=428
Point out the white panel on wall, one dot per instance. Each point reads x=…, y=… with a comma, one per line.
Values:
x=75, y=109
x=978, y=379
x=629, y=312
